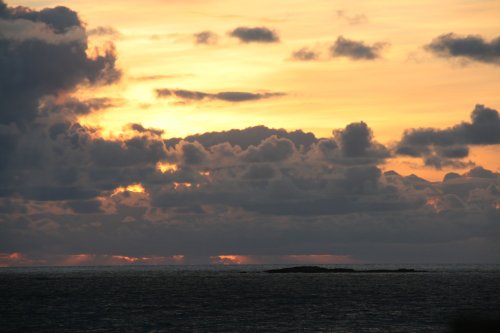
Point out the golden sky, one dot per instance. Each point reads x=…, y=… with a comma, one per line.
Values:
x=406, y=84
x=406, y=87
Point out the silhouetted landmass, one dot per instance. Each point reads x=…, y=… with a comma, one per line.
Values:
x=317, y=269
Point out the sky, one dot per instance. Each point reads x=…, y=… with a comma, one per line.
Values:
x=247, y=132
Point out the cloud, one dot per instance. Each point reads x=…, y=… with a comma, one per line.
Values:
x=38, y=137
x=181, y=93
x=105, y=31
x=255, y=35
x=285, y=196
x=305, y=54
x=272, y=149
x=481, y=172
x=73, y=107
x=20, y=30
x=237, y=96
x=352, y=19
x=356, y=139
x=85, y=206
x=141, y=129
x=205, y=37
x=226, y=96
x=439, y=147
x=46, y=52
x=59, y=18
x=471, y=47
x=356, y=50
x=356, y=146
x=253, y=192
x=137, y=151
x=251, y=136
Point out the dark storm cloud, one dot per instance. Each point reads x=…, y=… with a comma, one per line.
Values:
x=193, y=153
x=251, y=136
x=227, y=96
x=305, y=54
x=454, y=152
x=355, y=139
x=448, y=156
x=45, y=51
x=356, y=50
x=272, y=193
x=58, y=18
x=481, y=172
x=205, y=37
x=479, y=187
x=357, y=145
x=56, y=193
x=255, y=35
x=73, y=106
x=259, y=171
x=85, y=206
x=470, y=47
x=439, y=146
x=272, y=149
x=280, y=177
x=137, y=151
x=437, y=161
x=43, y=54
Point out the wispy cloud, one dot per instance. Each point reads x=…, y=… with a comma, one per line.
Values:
x=227, y=96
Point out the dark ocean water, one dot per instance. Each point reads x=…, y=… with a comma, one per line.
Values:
x=223, y=299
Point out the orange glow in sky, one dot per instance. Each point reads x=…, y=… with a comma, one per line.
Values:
x=233, y=260
x=166, y=167
x=179, y=186
x=311, y=259
x=19, y=259
x=136, y=188
x=435, y=203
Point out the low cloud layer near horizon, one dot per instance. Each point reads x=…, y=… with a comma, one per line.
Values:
x=255, y=192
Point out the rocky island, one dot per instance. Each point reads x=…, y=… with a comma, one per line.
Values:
x=317, y=269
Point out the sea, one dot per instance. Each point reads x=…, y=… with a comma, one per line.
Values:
x=219, y=298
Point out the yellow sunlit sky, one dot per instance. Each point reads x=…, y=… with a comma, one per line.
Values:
x=407, y=87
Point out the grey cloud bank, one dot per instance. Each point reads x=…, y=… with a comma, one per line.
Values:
x=440, y=147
